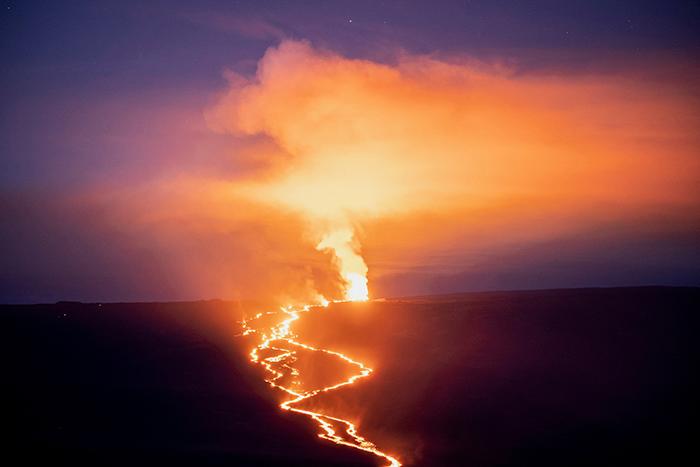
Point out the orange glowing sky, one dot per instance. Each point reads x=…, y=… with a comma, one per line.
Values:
x=366, y=139
x=430, y=173
x=470, y=142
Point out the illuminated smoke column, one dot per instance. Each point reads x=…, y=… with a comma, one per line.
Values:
x=350, y=263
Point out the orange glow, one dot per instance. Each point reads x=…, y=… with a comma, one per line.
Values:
x=438, y=161
x=434, y=159
x=357, y=289
x=360, y=142
x=498, y=157
x=366, y=140
x=350, y=264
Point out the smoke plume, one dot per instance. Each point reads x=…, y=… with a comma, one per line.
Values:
x=479, y=146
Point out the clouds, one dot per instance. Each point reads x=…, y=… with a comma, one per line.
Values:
x=371, y=139
x=438, y=165
x=499, y=159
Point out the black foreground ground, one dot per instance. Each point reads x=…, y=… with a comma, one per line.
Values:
x=564, y=377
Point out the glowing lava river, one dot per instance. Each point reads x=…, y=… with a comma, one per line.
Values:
x=278, y=351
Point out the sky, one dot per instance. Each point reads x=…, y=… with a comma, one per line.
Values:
x=176, y=151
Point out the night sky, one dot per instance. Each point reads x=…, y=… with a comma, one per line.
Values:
x=104, y=100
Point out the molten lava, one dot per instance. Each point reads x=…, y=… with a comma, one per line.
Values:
x=278, y=349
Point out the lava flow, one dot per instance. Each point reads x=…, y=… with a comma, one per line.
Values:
x=283, y=347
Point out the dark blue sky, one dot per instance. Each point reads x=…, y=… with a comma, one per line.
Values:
x=84, y=86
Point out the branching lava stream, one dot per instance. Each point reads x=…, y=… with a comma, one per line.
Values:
x=281, y=343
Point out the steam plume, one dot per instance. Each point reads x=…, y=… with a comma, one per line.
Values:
x=364, y=141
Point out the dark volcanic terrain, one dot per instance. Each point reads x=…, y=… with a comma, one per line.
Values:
x=564, y=377
x=145, y=384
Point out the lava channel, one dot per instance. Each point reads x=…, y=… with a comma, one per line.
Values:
x=277, y=351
